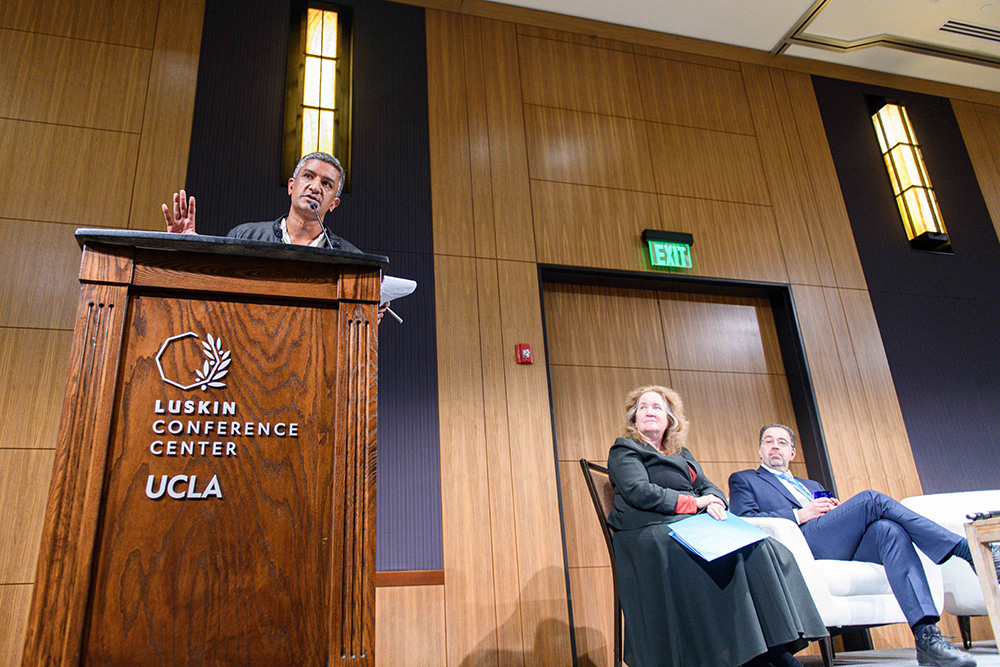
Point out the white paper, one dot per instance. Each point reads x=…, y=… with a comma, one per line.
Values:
x=396, y=288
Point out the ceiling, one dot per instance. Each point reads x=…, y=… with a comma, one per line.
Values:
x=951, y=41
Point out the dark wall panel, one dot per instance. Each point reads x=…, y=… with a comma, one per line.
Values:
x=937, y=313
x=234, y=171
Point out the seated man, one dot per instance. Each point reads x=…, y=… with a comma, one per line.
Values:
x=869, y=527
x=314, y=189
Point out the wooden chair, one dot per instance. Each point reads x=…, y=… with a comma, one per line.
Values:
x=602, y=494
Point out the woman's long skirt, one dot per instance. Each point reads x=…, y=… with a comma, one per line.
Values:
x=683, y=611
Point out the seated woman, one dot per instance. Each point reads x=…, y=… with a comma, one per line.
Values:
x=748, y=607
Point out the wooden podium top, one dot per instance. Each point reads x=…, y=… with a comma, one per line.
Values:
x=224, y=245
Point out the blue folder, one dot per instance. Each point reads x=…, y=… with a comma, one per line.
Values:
x=711, y=538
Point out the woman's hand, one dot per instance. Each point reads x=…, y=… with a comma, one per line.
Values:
x=713, y=505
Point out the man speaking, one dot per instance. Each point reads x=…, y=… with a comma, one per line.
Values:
x=314, y=189
x=870, y=527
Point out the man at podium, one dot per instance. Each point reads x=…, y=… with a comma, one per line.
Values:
x=314, y=189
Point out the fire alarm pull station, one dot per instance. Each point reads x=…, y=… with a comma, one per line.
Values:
x=523, y=351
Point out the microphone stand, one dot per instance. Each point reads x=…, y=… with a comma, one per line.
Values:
x=315, y=207
x=329, y=244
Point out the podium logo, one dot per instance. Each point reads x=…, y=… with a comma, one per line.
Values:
x=175, y=356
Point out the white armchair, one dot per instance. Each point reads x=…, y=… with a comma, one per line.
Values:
x=846, y=593
x=963, y=596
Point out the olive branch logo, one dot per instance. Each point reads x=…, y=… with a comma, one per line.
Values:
x=214, y=368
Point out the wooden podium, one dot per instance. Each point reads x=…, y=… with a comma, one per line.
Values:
x=213, y=496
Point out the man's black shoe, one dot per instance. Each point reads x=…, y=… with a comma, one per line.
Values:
x=933, y=649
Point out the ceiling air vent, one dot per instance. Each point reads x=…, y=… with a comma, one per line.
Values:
x=971, y=30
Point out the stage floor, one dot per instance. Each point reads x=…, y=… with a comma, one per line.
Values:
x=985, y=654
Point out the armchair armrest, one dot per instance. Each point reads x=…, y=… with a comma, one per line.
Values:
x=787, y=533
x=791, y=537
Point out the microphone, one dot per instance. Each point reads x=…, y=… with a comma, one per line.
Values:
x=315, y=207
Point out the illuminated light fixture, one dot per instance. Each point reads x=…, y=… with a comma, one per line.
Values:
x=910, y=183
x=317, y=107
x=319, y=92
x=669, y=249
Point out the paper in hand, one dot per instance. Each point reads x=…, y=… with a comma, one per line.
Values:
x=396, y=288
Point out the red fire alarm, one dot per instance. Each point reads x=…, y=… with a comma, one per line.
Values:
x=523, y=353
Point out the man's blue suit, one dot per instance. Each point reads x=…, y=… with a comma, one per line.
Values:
x=869, y=527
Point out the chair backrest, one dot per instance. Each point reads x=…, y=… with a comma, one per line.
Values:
x=602, y=494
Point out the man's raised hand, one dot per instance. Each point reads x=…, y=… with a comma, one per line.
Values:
x=181, y=219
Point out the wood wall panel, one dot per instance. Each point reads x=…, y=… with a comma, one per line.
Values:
x=508, y=151
x=980, y=126
x=127, y=22
x=409, y=626
x=831, y=390
x=712, y=98
x=543, y=594
x=24, y=490
x=869, y=458
x=481, y=180
x=692, y=162
x=470, y=613
x=503, y=519
x=33, y=366
x=806, y=260
x=588, y=149
x=587, y=405
x=989, y=116
x=72, y=82
x=38, y=277
x=822, y=232
x=685, y=57
x=580, y=225
x=892, y=442
x=166, y=127
x=711, y=333
x=888, y=636
x=593, y=614
x=738, y=241
x=603, y=81
x=15, y=600
x=451, y=171
x=726, y=411
x=573, y=38
x=611, y=317
x=585, y=546
x=818, y=183
x=93, y=188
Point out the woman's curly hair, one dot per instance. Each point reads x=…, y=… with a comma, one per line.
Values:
x=676, y=434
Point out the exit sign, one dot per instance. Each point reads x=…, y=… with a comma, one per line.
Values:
x=677, y=255
x=670, y=249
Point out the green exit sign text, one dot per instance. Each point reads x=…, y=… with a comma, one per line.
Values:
x=670, y=249
x=662, y=253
